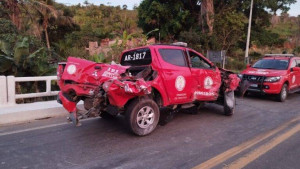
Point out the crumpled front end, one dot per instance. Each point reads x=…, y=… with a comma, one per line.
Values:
x=231, y=82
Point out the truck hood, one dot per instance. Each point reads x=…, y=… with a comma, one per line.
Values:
x=88, y=72
x=264, y=72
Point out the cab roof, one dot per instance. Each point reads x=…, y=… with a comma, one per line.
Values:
x=172, y=46
x=280, y=56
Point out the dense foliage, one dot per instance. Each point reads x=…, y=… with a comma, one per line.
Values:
x=47, y=32
x=36, y=33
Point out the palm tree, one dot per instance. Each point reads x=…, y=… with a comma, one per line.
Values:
x=45, y=10
x=13, y=11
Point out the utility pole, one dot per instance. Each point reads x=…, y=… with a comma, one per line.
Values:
x=248, y=36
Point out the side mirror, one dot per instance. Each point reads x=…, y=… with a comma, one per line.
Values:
x=248, y=65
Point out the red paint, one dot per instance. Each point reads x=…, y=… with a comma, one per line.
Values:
x=68, y=105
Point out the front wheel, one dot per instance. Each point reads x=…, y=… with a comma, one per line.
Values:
x=283, y=93
x=142, y=116
x=229, y=103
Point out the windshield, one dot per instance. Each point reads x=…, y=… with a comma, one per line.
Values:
x=271, y=64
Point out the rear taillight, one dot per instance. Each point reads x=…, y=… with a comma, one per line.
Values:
x=60, y=70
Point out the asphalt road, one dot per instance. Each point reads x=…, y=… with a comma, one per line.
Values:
x=262, y=133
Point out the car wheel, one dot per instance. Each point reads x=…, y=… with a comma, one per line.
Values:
x=142, y=116
x=229, y=103
x=283, y=93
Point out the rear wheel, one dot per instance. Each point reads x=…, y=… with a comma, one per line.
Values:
x=142, y=116
x=229, y=103
x=283, y=93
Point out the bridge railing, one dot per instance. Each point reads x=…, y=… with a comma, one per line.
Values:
x=8, y=94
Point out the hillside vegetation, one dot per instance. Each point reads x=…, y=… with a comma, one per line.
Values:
x=36, y=34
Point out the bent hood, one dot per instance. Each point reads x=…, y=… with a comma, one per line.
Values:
x=264, y=72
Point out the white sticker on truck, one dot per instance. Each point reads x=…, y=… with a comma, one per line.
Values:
x=208, y=82
x=180, y=83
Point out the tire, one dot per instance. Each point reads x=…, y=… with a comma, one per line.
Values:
x=139, y=124
x=229, y=103
x=281, y=97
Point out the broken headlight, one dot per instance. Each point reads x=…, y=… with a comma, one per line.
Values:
x=273, y=79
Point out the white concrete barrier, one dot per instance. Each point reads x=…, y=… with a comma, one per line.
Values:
x=3, y=90
x=11, y=88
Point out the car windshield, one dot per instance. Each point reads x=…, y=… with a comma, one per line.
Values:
x=271, y=64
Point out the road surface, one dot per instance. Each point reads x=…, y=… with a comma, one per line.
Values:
x=262, y=133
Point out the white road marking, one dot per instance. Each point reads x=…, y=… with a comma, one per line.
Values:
x=41, y=127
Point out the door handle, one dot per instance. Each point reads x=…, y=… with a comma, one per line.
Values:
x=169, y=73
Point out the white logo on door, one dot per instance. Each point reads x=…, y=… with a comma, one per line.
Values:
x=208, y=82
x=180, y=83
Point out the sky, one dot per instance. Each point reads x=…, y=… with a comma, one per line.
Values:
x=130, y=3
x=294, y=11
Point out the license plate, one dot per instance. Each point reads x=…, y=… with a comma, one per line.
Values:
x=254, y=85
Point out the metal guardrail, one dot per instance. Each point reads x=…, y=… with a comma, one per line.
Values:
x=8, y=94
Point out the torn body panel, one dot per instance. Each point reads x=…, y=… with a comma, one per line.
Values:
x=68, y=104
x=80, y=71
x=230, y=80
x=119, y=92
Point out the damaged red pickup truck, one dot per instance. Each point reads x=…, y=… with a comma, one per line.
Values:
x=148, y=85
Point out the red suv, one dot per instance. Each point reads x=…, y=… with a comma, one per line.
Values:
x=277, y=74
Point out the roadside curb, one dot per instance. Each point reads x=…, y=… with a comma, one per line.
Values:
x=29, y=112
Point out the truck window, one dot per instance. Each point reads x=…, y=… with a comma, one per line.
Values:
x=298, y=62
x=173, y=56
x=198, y=62
x=136, y=57
x=294, y=63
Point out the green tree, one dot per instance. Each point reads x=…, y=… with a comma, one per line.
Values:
x=20, y=60
x=229, y=28
x=275, y=5
x=170, y=17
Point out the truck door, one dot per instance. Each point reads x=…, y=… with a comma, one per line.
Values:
x=298, y=73
x=208, y=77
x=177, y=80
x=294, y=75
